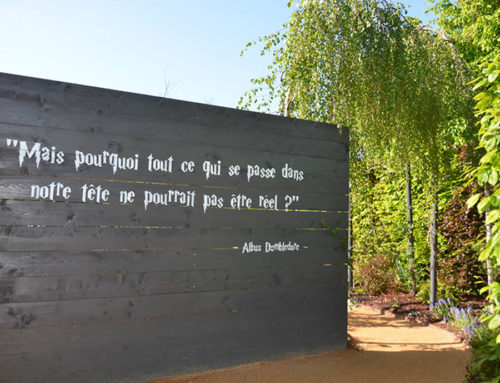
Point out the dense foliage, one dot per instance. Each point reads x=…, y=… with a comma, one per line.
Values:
x=486, y=360
x=400, y=89
x=379, y=230
x=404, y=91
x=460, y=228
x=474, y=28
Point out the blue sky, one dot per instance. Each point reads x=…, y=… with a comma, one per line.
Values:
x=190, y=46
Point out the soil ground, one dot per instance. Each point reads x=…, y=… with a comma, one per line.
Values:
x=384, y=348
x=408, y=306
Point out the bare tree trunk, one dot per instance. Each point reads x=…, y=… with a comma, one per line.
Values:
x=411, y=239
x=286, y=106
x=350, y=279
x=489, y=267
x=433, y=248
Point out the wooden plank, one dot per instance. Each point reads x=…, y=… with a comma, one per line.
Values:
x=314, y=182
x=133, y=284
x=66, y=101
x=48, y=213
x=171, y=134
x=78, y=312
x=18, y=339
x=169, y=346
x=36, y=264
x=25, y=238
x=21, y=188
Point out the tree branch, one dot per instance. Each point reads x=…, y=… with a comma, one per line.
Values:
x=441, y=34
x=454, y=49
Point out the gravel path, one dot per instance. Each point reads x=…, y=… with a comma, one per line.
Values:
x=386, y=350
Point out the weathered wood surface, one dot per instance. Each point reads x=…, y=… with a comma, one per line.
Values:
x=18, y=187
x=113, y=292
x=61, y=213
x=142, y=350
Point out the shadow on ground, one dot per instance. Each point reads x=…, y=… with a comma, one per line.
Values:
x=385, y=349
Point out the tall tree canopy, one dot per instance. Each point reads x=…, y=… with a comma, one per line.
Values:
x=474, y=27
x=365, y=64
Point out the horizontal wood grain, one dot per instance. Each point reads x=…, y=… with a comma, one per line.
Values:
x=61, y=213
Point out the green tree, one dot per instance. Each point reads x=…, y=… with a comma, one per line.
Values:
x=472, y=25
x=364, y=64
x=486, y=359
x=474, y=28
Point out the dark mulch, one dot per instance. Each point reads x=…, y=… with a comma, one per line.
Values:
x=407, y=306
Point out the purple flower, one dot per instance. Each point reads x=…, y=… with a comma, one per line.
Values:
x=445, y=319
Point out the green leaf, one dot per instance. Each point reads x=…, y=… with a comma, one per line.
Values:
x=484, y=255
x=479, y=96
x=493, y=179
x=473, y=200
x=494, y=241
x=494, y=322
x=496, y=253
x=493, y=216
x=482, y=175
x=484, y=204
x=491, y=144
x=488, y=157
x=484, y=289
x=480, y=84
x=491, y=68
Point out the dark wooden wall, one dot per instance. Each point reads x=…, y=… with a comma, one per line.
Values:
x=111, y=292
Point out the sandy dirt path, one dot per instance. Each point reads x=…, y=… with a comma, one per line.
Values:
x=387, y=350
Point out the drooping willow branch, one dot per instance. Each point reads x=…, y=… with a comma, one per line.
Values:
x=427, y=28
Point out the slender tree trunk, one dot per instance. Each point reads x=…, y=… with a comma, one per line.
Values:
x=350, y=279
x=433, y=248
x=286, y=106
x=411, y=239
x=489, y=267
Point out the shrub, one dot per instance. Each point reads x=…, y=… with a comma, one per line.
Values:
x=460, y=227
x=375, y=274
x=443, y=292
x=477, y=333
x=481, y=335
x=485, y=362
